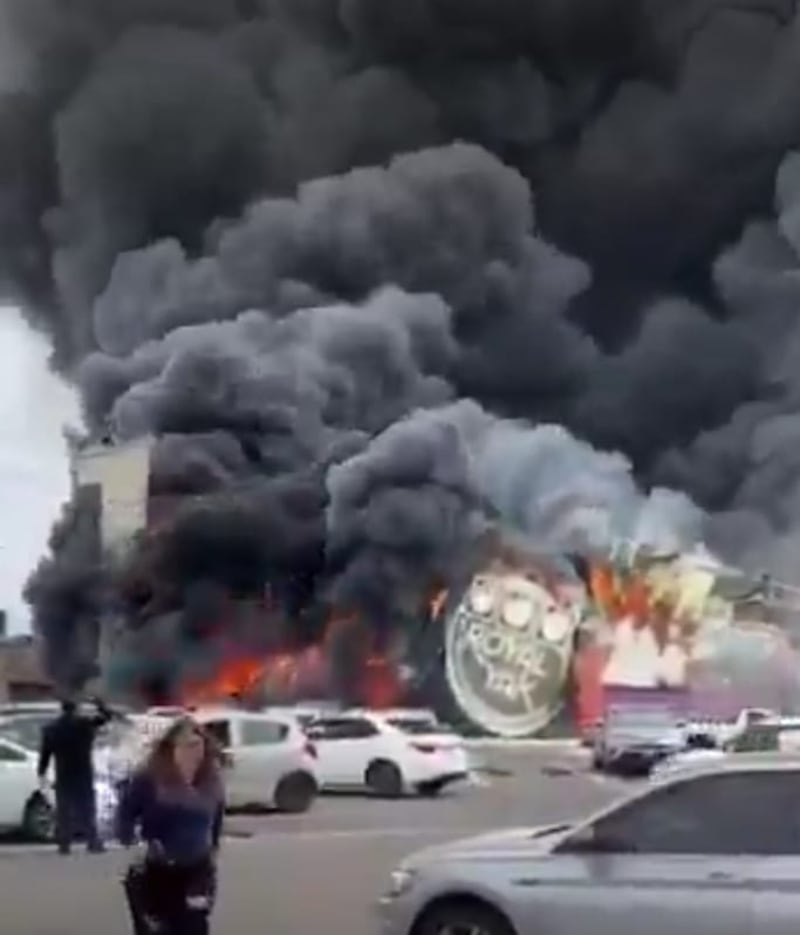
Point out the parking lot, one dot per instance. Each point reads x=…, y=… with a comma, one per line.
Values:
x=321, y=871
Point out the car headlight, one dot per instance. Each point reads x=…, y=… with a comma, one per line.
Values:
x=400, y=882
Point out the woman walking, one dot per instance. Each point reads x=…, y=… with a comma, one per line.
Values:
x=176, y=804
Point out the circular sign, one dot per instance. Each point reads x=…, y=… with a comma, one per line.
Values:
x=508, y=648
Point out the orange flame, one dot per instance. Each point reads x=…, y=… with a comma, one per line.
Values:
x=285, y=675
x=234, y=678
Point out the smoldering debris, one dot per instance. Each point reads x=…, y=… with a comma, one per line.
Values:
x=373, y=277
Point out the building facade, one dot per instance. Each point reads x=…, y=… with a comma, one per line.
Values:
x=21, y=674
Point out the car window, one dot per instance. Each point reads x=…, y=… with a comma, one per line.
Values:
x=709, y=815
x=257, y=731
x=220, y=731
x=341, y=729
x=10, y=755
x=320, y=729
x=416, y=726
x=357, y=728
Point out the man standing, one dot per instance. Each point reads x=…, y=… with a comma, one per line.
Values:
x=68, y=741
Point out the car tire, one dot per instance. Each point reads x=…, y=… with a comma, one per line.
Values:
x=384, y=779
x=38, y=820
x=295, y=793
x=463, y=915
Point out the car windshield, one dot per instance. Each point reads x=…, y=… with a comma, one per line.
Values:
x=417, y=726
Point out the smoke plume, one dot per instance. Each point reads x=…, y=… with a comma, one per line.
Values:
x=375, y=275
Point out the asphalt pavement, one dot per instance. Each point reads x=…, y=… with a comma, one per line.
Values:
x=318, y=872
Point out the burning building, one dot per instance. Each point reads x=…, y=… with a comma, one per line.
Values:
x=372, y=282
x=503, y=640
x=532, y=638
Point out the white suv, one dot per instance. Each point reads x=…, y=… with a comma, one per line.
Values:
x=270, y=761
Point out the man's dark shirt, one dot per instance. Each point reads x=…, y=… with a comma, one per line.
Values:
x=68, y=742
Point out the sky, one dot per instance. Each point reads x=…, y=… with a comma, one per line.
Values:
x=35, y=406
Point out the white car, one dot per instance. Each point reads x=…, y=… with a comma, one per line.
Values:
x=766, y=735
x=270, y=763
x=23, y=807
x=387, y=752
x=26, y=808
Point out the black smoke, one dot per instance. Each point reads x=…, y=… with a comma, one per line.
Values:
x=353, y=263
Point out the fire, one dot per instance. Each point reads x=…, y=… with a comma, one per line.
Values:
x=619, y=596
x=278, y=676
x=235, y=678
x=380, y=686
x=632, y=594
x=289, y=675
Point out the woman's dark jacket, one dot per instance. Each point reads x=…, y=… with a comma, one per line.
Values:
x=182, y=824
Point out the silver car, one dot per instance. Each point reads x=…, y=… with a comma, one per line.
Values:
x=712, y=850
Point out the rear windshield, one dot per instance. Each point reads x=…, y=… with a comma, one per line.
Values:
x=417, y=726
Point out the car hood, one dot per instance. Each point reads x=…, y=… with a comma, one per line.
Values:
x=495, y=845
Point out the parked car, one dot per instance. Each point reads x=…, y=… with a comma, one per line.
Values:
x=635, y=738
x=270, y=761
x=23, y=807
x=714, y=849
x=387, y=752
x=27, y=808
x=775, y=735
x=724, y=731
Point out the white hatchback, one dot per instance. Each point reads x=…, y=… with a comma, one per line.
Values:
x=388, y=752
x=270, y=761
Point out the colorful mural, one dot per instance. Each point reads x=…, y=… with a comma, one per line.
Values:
x=684, y=622
x=509, y=643
x=529, y=637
